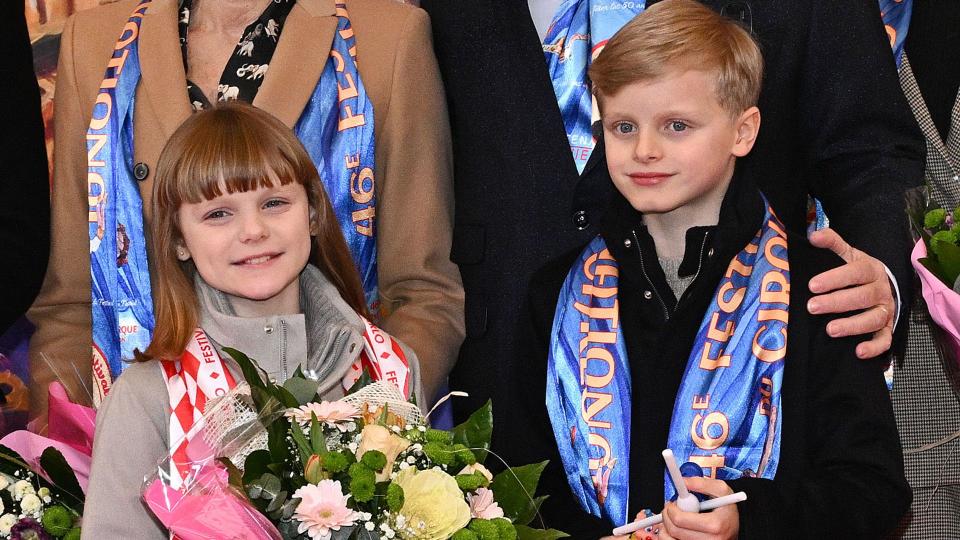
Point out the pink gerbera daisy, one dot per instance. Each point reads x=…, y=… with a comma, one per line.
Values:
x=330, y=412
x=322, y=508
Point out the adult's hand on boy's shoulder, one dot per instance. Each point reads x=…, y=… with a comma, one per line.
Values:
x=720, y=524
x=862, y=284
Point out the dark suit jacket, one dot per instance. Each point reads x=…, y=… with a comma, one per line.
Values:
x=24, y=183
x=835, y=124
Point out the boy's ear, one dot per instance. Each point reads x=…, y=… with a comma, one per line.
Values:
x=748, y=127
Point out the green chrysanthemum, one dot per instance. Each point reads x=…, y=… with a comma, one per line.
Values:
x=374, y=459
x=394, y=497
x=934, y=218
x=506, y=529
x=57, y=521
x=485, y=529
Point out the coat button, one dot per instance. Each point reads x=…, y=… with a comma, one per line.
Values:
x=141, y=171
x=627, y=243
x=581, y=220
x=710, y=252
x=268, y=329
x=647, y=295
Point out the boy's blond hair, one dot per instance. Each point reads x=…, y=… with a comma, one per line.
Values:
x=682, y=34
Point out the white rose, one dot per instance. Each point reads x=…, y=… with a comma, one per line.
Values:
x=4, y=482
x=7, y=521
x=30, y=503
x=21, y=488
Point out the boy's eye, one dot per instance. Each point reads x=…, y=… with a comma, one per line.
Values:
x=678, y=126
x=624, y=128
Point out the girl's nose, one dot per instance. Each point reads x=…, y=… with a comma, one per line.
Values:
x=253, y=228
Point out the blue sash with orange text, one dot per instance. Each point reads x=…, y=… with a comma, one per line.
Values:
x=336, y=127
x=576, y=36
x=726, y=416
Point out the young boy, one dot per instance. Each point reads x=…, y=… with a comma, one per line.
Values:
x=683, y=325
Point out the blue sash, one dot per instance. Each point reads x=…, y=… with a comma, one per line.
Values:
x=120, y=279
x=336, y=127
x=896, y=21
x=726, y=416
x=578, y=32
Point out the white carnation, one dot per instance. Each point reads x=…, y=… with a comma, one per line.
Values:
x=7, y=521
x=30, y=503
x=22, y=488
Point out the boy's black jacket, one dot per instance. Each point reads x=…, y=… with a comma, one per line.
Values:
x=840, y=472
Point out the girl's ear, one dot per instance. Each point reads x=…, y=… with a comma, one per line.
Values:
x=182, y=252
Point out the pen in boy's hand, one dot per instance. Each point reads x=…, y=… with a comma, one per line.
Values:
x=709, y=504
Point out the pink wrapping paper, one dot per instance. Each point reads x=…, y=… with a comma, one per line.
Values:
x=70, y=431
x=942, y=302
x=208, y=510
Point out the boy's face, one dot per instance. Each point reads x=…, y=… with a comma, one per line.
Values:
x=669, y=143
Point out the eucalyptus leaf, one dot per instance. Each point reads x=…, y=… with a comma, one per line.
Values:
x=277, y=502
x=303, y=390
x=948, y=254
x=476, y=431
x=514, y=490
x=270, y=484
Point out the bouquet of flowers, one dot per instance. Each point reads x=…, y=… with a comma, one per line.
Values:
x=936, y=258
x=277, y=462
x=42, y=479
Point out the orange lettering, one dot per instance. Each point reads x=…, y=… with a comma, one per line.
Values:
x=600, y=402
x=707, y=441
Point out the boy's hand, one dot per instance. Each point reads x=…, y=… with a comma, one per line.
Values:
x=720, y=524
x=861, y=284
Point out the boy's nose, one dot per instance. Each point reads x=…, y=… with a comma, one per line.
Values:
x=648, y=147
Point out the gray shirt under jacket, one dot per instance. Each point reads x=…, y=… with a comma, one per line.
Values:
x=133, y=422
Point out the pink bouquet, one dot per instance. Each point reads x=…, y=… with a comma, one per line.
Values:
x=943, y=304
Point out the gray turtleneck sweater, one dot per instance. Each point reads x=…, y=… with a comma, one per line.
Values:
x=133, y=422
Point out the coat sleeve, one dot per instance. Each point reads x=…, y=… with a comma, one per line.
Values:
x=61, y=345
x=130, y=441
x=864, y=147
x=854, y=486
x=419, y=286
x=24, y=186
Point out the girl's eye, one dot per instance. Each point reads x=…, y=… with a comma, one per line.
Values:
x=274, y=203
x=678, y=126
x=624, y=128
x=216, y=214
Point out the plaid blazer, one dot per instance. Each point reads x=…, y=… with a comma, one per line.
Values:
x=926, y=390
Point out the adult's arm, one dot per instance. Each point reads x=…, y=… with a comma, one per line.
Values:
x=24, y=183
x=60, y=346
x=419, y=286
x=864, y=146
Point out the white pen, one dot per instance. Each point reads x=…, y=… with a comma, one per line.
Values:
x=710, y=504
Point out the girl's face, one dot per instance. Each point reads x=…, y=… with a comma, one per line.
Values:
x=251, y=245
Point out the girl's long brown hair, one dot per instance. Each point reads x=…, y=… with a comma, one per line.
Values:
x=238, y=148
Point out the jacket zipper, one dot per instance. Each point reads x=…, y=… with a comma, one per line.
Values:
x=283, y=351
x=643, y=268
x=703, y=246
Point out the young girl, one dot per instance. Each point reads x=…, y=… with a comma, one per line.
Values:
x=248, y=255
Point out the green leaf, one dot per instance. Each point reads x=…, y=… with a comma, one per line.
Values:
x=527, y=533
x=288, y=400
x=298, y=373
x=384, y=414
x=302, y=444
x=317, y=440
x=934, y=267
x=251, y=371
x=303, y=390
x=270, y=485
x=255, y=465
x=476, y=431
x=514, y=488
x=277, y=439
x=62, y=476
x=234, y=475
x=362, y=381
